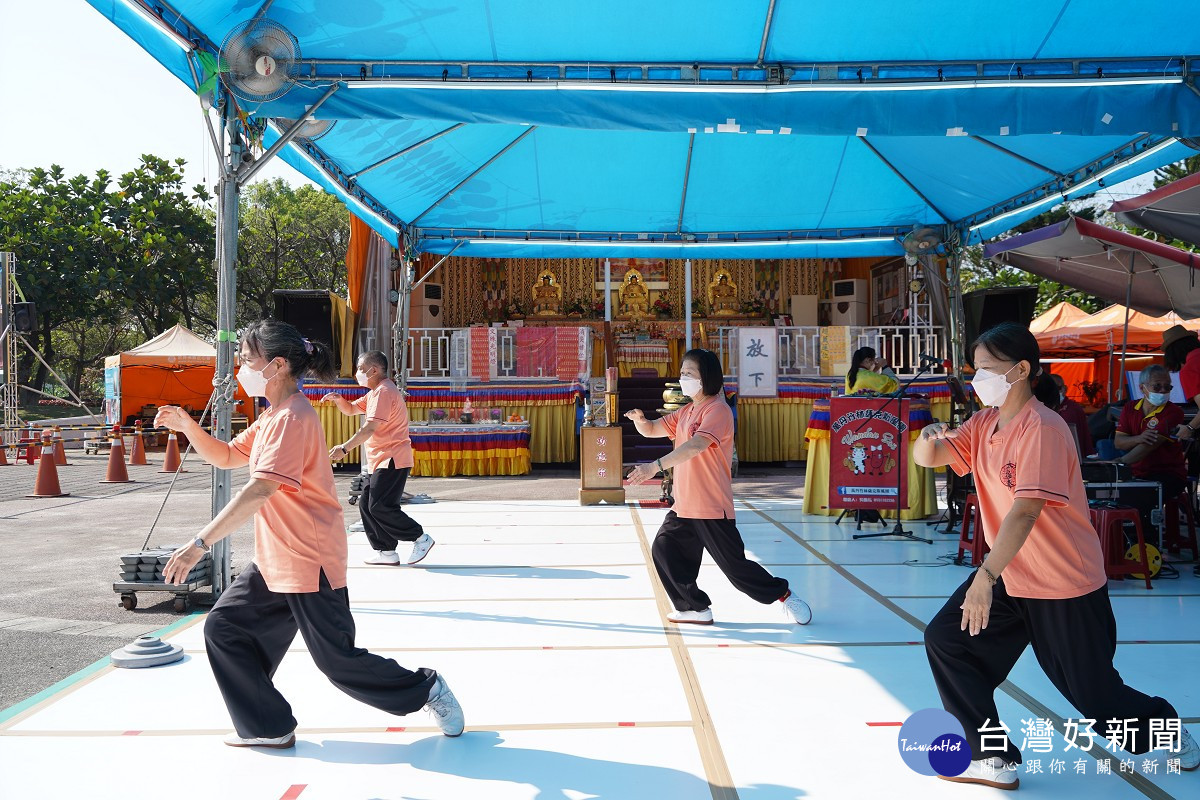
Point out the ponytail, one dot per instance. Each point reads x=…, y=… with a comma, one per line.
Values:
x=272, y=338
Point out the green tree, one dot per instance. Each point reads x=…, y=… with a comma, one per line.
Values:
x=1173, y=172
x=161, y=256
x=57, y=228
x=288, y=238
x=981, y=273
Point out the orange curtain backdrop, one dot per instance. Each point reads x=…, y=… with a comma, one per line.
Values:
x=356, y=262
x=1074, y=373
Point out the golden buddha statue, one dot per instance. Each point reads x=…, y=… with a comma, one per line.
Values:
x=635, y=300
x=722, y=295
x=547, y=295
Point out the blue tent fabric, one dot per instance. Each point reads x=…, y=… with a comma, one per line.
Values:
x=652, y=129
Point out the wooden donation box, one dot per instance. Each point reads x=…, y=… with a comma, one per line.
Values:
x=600, y=464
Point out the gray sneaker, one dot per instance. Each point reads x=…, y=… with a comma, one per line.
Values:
x=285, y=742
x=797, y=609
x=1188, y=753
x=994, y=772
x=420, y=548
x=445, y=708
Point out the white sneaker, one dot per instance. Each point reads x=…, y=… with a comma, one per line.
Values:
x=445, y=708
x=357, y=527
x=279, y=743
x=797, y=609
x=1188, y=753
x=387, y=558
x=421, y=548
x=994, y=772
x=691, y=617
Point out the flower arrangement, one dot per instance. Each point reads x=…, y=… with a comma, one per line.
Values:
x=575, y=306
x=1093, y=391
x=438, y=415
x=698, y=309
x=515, y=309
x=661, y=305
x=598, y=309
x=754, y=307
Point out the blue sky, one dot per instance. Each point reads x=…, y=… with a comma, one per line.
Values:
x=77, y=92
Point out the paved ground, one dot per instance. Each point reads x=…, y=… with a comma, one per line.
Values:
x=58, y=557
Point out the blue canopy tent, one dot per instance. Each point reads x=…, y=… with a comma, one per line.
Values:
x=698, y=129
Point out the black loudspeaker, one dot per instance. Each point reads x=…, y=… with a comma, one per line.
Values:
x=24, y=317
x=987, y=308
x=309, y=312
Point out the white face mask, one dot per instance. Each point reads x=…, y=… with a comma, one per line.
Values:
x=361, y=377
x=990, y=387
x=253, y=382
x=690, y=386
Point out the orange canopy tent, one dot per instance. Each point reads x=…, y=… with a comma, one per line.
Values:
x=1060, y=316
x=174, y=368
x=1101, y=337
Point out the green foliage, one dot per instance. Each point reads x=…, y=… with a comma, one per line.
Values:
x=981, y=273
x=111, y=264
x=289, y=238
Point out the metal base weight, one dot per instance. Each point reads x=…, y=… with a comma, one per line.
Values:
x=896, y=531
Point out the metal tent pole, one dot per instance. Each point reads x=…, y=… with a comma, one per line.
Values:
x=687, y=304
x=1125, y=335
x=957, y=346
x=227, y=237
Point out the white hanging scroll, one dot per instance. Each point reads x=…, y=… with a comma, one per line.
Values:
x=758, y=362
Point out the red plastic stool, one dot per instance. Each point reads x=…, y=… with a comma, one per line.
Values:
x=1110, y=526
x=1173, y=538
x=969, y=539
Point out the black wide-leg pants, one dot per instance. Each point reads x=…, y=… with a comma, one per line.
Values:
x=1074, y=641
x=383, y=517
x=679, y=546
x=249, y=630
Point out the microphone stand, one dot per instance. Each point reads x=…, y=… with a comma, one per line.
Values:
x=901, y=464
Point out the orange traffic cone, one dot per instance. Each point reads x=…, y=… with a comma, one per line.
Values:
x=60, y=452
x=116, y=463
x=172, y=462
x=46, y=484
x=137, y=455
x=3, y=451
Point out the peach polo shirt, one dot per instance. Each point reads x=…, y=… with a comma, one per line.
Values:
x=299, y=531
x=1033, y=456
x=703, y=484
x=385, y=405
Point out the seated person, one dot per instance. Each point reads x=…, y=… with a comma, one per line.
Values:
x=870, y=374
x=1145, y=431
x=1073, y=414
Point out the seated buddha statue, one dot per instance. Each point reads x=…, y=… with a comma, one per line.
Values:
x=635, y=300
x=722, y=295
x=547, y=296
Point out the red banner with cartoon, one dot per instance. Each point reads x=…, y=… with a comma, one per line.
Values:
x=867, y=453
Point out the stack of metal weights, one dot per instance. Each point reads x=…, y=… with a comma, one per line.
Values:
x=147, y=566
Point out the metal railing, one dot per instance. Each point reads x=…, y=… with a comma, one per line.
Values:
x=446, y=353
x=800, y=347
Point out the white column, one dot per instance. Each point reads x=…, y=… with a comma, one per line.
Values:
x=687, y=304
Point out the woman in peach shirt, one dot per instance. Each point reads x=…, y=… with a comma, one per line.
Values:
x=703, y=515
x=1043, y=583
x=297, y=581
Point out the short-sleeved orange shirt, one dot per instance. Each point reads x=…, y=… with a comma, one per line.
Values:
x=703, y=484
x=385, y=404
x=299, y=531
x=1033, y=456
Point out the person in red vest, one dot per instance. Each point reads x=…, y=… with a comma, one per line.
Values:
x=1073, y=414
